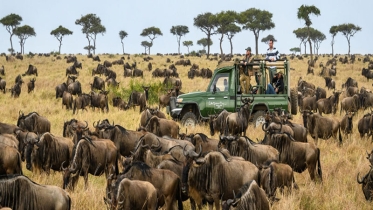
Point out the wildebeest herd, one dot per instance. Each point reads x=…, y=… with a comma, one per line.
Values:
x=156, y=165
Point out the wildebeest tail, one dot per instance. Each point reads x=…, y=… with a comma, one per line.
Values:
x=340, y=136
x=116, y=163
x=178, y=196
x=69, y=202
x=74, y=106
x=319, y=171
x=20, y=164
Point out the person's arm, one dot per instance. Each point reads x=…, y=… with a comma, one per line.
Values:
x=277, y=55
x=281, y=85
x=274, y=80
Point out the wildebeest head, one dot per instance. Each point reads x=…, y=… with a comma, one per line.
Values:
x=367, y=184
x=27, y=122
x=31, y=140
x=370, y=157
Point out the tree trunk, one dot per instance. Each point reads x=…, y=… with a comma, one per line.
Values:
x=122, y=47
x=256, y=43
x=149, y=51
x=145, y=50
x=94, y=45
x=208, y=45
x=309, y=41
x=300, y=48
x=89, y=44
x=11, y=43
x=20, y=42
x=178, y=42
x=221, y=48
x=59, y=48
x=230, y=41
x=332, y=43
x=188, y=49
x=348, y=41
x=305, y=47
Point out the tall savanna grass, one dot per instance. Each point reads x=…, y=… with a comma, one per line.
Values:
x=340, y=164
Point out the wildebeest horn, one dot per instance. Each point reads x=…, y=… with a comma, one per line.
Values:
x=86, y=125
x=74, y=167
x=156, y=146
x=360, y=181
x=89, y=140
x=94, y=124
x=265, y=129
x=64, y=169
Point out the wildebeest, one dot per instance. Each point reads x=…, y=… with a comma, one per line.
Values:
x=250, y=196
x=10, y=160
x=70, y=126
x=351, y=104
x=33, y=122
x=308, y=103
x=51, y=153
x=110, y=74
x=127, y=72
x=139, y=99
x=350, y=83
x=350, y=91
x=71, y=70
x=2, y=70
x=96, y=58
x=216, y=176
x=2, y=84
x=299, y=155
x=367, y=184
x=98, y=83
x=328, y=105
x=120, y=103
x=137, y=73
x=131, y=194
x=157, y=73
x=150, y=66
x=70, y=59
x=100, y=69
x=107, y=63
x=31, y=70
x=346, y=123
x=16, y=89
x=93, y=157
x=162, y=127
x=164, y=100
x=203, y=143
x=31, y=195
x=31, y=85
x=112, y=82
x=218, y=123
x=244, y=147
x=81, y=102
x=329, y=82
x=148, y=113
x=60, y=89
x=166, y=182
x=6, y=128
x=67, y=100
x=367, y=73
x=321, y=127
x=100, y=100
x=172, y=82
x=75, y=88
x=275, y=175
x=364, y=125
x=320, y=93
x=238, y=122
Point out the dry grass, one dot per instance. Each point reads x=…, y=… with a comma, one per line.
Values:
x=340, y=165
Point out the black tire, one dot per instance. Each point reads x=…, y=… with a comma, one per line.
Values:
x=189, y=119
x=258, y=118
x=294, y=101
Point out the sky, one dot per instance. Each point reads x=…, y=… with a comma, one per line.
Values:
x=134, y=16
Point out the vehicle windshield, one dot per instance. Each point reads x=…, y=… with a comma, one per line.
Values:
x=221, y=81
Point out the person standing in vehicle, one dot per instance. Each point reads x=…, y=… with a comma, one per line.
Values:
x=244, y=71
x=272, y=56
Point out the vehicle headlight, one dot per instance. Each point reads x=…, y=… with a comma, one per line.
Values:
x=179, y=100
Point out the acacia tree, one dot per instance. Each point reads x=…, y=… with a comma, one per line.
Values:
x=122, y=35
x=317, y=37
x=152, y=33
x=23, y=33
x=295, y=50
x=147, y=45
x=205, y=23
x=204, y=42
x=256, y=20
x=304, y=13
x=179, y=31
x=11, y=22
x=232, y=29
x=91, y=27
x=333, y=31
x=188, y=44
x=59, y=33
x=222, y=22
x=302, y=34
x=267, y=38
x=348, y=30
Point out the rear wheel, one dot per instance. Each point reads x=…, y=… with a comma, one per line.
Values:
x=294, y=101
x=189, y=120
x=259, y=118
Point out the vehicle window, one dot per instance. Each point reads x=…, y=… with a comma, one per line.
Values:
x=221, y=81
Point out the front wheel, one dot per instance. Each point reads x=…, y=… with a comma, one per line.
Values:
x=189, y=120
x=259, y=118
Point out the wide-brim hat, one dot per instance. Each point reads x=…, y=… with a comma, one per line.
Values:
x=248, y=49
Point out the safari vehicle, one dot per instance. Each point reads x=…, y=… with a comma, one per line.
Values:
x=195, y=107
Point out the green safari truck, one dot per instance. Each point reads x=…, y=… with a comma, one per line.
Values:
x=224, y=92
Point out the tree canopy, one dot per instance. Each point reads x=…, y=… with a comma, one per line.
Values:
x=232, y=29
x=317, y=37
x=179, y=31
x=348, y=30
x=10, y=22
x=188, y=44
x=23, y=33
x=304, y=13
x=59, y=33
x=205, y=23
x=204, y=42
x=267, y=38
x=152, y=33
x=223, y=21
x=122, y=35
x=256, y=20
x=146, y=45
x=91, y=26
x=302, y=34
x=295, y=49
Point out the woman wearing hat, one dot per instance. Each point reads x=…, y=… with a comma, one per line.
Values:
x=278, y=84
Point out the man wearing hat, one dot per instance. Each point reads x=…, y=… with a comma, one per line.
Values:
x=277, y=85
x=244, y=73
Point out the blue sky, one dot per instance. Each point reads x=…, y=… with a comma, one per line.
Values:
x=133, y=16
